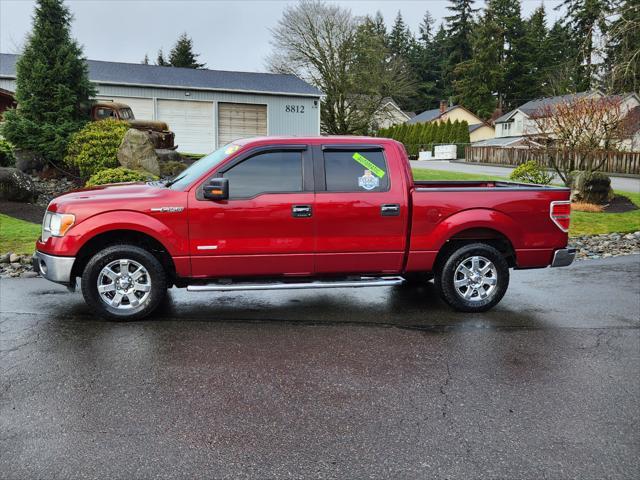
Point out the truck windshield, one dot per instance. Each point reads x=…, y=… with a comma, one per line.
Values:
x=202, y=166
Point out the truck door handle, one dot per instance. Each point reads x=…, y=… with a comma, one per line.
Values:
x=301, y=211
x=390, y=209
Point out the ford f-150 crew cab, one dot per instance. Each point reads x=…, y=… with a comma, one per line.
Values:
x=273, y=213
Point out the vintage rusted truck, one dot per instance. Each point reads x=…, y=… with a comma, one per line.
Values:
x=159, y=133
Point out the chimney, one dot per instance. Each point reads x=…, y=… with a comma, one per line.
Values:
x=443, y=106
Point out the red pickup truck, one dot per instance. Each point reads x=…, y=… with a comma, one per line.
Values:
x=321, y=212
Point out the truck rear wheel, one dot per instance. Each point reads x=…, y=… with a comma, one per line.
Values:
x=474, y=278
x=124, y=282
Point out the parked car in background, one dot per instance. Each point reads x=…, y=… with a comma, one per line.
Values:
x=319, y=212
x=159, y=133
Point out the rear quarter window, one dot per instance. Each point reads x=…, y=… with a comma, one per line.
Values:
x=354, y=171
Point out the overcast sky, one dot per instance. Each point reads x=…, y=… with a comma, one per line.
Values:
x=229, y=35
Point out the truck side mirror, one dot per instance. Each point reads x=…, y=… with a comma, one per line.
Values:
x=216, y=189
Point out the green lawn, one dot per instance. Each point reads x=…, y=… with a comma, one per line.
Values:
x=17, y=236
x=582, y=223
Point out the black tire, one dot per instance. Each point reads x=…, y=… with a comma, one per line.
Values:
x=448, y=273
x=157, y=281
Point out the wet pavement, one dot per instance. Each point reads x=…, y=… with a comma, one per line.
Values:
x=380, y=382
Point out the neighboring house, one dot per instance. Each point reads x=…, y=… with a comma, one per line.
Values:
x=205, y=108
x=478, y=130
x=518, y=125
x=7, y=101
x=389, y=114
x=632, y=130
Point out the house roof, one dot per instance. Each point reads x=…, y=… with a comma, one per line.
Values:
x=500, y=142
x=118, y=73
x=428, y=116
x=476, y=126
x=533, y=106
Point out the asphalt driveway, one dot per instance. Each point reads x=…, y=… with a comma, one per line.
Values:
x=371, y=383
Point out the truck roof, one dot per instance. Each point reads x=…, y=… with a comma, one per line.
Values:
x=314, y=140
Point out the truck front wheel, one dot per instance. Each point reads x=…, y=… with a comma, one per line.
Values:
x=124, y=282
x=474, y=278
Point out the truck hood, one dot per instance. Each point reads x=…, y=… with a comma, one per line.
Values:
x=138, y=196
x=149, y=125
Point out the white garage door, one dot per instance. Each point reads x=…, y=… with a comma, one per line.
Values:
x=142, y=107
x=192, y=123
x=240, y=120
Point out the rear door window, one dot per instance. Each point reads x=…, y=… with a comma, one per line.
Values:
x=354, y=171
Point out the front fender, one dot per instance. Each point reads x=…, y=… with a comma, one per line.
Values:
x=173, y=238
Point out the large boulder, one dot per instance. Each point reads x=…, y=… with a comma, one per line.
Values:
x=136, y=152
x=28, y=161
x=15, y=186
x=591, y=187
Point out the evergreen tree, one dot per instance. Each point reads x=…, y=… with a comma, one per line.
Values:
x=145, y=60
x=587, y=20
x=160, y=60
x=400, y=38
x=536, y=45
x=498, y=74
x=52, y=85
x=459, y=30
x=426, y=28
x=623, y=48
x=182, y=54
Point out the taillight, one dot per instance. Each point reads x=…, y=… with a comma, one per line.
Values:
x=560, y=213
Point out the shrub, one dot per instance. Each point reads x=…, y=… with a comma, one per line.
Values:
x=171, y=168
x=95, y=147
x=6, y=154
x=531, y=172
x=118, y=175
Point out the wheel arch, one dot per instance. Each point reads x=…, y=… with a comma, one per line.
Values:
x=123, y=237
x=486, y=235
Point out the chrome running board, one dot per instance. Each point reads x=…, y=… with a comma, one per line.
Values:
x=351, y=283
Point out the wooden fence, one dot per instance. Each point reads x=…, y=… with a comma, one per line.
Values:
x=612, y=161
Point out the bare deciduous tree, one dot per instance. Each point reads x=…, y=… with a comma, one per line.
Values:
x=573, y=130
x=329, y=47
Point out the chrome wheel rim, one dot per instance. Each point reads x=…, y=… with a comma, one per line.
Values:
x=475, y=279
x=124, y=284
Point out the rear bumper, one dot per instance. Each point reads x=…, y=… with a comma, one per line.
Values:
x=563, y=257
x=54, y=268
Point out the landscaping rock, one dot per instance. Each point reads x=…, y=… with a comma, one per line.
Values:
x=21, y=267
x=16, y=186
x=49, y=188
x=28, y=161
x=605, y=246
x=591, y=187
x=165, y=155
x=136, y=152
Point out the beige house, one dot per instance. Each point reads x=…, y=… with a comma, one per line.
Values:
x=389, y=114
x=478, y=129
x=517, y=125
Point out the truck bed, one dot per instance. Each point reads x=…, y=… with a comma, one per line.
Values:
x=479, y=185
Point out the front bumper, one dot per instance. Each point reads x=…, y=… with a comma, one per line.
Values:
x=54, y=268
x=563, y=257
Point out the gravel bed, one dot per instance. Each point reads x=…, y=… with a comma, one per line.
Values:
x=591, y=247
x=48, y=188
x=605, y=246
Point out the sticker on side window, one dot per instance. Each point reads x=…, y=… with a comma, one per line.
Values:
x=369, y=165
x=368, y=181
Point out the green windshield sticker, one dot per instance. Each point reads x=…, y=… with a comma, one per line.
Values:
x=369, y=165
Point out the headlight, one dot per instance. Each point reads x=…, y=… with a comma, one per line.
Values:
x=56, y=224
